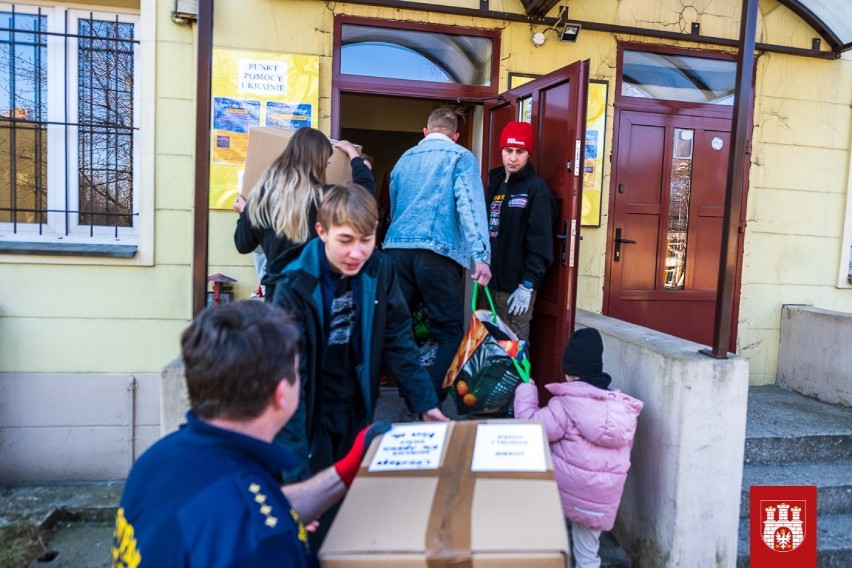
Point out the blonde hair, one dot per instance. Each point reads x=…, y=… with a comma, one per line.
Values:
x=351, y=205
x=444, y=120
x=285, y=193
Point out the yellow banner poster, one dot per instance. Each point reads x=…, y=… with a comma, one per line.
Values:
x=255, y=88
x=594, y=157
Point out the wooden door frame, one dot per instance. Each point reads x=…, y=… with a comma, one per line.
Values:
x=622, y=103
x=423, y=90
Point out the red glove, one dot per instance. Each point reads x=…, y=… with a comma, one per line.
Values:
x=348, y=466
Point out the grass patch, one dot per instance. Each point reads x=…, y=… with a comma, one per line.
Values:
x=20, y=544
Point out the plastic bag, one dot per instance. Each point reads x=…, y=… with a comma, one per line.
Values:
x=490, y=362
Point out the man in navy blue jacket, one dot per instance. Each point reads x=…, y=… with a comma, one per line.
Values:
x=210, y=494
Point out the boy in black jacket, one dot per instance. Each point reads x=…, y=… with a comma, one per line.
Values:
x=521, y=214
x=346, y=302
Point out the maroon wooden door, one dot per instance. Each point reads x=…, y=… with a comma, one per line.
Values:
x=665, y=230
x=555, y=104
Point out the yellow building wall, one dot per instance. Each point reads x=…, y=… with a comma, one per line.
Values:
x=802, y=116
x=104, y=317
x=101, y=315
x=797, y=200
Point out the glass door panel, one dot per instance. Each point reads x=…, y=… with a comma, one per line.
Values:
x=680, y=187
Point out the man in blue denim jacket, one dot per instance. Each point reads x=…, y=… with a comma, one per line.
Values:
x=439, y=227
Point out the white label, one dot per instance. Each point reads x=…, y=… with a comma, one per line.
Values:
x=509, y=447
x=573, y=242
x=577, y=159
x=410, y=446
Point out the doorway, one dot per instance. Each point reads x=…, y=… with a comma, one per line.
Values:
x=387, y=76
x=385, y=127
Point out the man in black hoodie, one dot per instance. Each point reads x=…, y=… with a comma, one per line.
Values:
x=521, y=215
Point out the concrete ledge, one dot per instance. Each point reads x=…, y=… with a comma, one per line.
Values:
x=41, y=504
x=682, y=499
x=814, y=356
x=174, y=397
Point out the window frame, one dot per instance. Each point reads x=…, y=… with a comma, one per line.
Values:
x=623, y=102
x=56, y=236
x=345, y=83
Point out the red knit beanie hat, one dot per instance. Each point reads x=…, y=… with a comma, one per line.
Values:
x=518, y=135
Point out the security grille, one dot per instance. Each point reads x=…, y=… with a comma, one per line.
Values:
x=67, y=123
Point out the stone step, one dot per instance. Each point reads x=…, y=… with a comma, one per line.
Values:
x=45, y=505
x=790, y=449
x=832, y=479
x=834, y=542
x=784, y=427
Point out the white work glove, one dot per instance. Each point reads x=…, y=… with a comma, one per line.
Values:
x=519, y=301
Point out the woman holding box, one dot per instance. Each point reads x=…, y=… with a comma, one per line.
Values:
x=281, y=209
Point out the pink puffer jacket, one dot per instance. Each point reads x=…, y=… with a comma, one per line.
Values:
x=591, y=433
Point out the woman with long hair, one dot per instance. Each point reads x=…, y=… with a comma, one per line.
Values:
x=281, y=210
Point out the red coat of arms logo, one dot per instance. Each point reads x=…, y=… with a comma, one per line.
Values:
x=783, y=524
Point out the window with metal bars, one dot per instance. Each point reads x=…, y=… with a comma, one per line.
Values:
x=68, y=126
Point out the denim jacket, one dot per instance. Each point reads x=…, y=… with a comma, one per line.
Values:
x=437, y=202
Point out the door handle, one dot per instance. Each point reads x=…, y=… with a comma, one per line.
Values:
x=618, y=242
x=563, y=237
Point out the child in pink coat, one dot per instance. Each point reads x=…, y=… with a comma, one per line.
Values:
x=590, y=428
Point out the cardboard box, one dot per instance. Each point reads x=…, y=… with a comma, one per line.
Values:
x=267, y=142
x=452, y=515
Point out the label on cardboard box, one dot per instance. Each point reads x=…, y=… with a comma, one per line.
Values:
x=509, y=447
x=410, y=446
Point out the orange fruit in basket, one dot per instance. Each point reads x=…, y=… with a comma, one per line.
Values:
x=469, y=399
x=462, y=388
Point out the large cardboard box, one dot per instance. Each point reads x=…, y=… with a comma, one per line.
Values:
x=267, y=142
x=454, y=515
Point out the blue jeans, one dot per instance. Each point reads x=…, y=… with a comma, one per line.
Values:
x=433, y=280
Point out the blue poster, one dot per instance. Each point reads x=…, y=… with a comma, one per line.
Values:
x=235, y=115
x=591, y=144
x=288, y=115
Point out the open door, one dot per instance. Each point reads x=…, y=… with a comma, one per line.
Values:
x=555, y=105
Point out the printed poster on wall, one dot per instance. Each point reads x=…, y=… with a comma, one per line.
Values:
x=255, y=88
x=594, y=157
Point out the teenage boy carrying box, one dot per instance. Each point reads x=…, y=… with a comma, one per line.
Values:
x=344, y=297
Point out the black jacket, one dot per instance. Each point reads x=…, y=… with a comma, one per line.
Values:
x=522, y=249
x=247, y=237
x=385, y=332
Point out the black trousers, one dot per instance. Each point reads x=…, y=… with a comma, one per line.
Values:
x=434, y=280
x=335, y=434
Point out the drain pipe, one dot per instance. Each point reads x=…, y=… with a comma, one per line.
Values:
x=132, y=387
x=740, y=133
x=201, y=203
